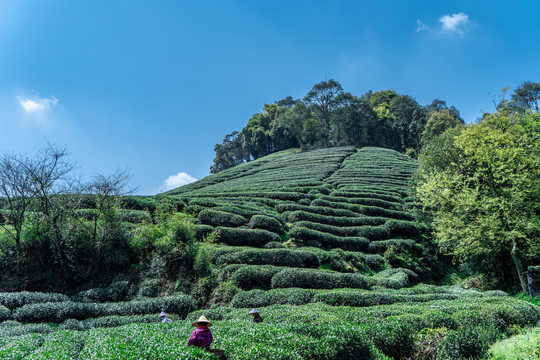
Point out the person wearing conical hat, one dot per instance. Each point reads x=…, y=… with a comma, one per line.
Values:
x=201, y=336
x=162, y=317
x=256, y=316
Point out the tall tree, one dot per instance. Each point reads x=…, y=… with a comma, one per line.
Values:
x=323, y=99
x=487, y=200
x=437, y=123
x=292, y=122
x=526, y=97
x=229, y=153
x=354, y=123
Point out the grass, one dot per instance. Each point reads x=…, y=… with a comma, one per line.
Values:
x=520, y=347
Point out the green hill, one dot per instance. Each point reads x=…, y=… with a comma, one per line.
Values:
x=323, y=219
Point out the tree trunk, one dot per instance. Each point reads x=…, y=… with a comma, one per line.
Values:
x=519, y=268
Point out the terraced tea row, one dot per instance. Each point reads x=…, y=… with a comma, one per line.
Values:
x=390, y=324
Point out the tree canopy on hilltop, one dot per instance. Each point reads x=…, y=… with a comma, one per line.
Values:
x=329, y=116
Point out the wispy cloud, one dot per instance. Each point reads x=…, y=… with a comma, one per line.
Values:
x=421, y=26
x=37, y=105
x=454, y=23
x=177, y=180
x=449, y=24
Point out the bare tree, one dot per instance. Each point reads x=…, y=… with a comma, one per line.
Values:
x=41, y=194
x=16, y=189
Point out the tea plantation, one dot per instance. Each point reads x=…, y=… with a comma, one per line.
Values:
x=326, y=244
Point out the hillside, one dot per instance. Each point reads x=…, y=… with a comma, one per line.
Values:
x=323, y=243
x=323, y=219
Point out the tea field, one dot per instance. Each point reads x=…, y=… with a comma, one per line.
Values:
x=327, y=244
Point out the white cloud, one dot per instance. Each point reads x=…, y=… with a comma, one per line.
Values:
x=454, y=23
x=37, y=105
x=177, y=180
x=421, y=26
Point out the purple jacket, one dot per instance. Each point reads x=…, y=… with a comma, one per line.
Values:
x=201, y=337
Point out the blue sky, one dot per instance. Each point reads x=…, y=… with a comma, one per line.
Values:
x=153, y=86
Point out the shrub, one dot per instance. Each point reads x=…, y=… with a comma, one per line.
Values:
x=394, y=278
x=135, y=216
x=246, y=237
x=117, y=291
x=301, y=215
x=110, y=321
x=139, y=203
x=220, y=218
x=328, y=240
x=202, y=231
x=260, y=298
x=17, y=299
x=363, y=209
x=277, y=257
x=318, y=279
x=266, y=223
x=249, y=277
x=149, y=288
x=463, y=343
x=370, y=232
x=4, y=313
x=391, y=205
x=402, y=228
x=60, y=311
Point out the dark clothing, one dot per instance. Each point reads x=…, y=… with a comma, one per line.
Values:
x=257, y=318
x=201, y=337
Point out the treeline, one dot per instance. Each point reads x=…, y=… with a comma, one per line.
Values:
x=328, y=116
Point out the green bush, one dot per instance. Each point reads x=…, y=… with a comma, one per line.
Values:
x=4, y=313
x=110, y=321
x=249, y=277
x=260, y=298
x=464, y=343
x=202, y=231
x=363, y=209
x=139, y=203
x=57, y=312
x=328, y=240
x=391, y=205
x=367, y=231
x=301, y=215
x=219, y=218
x=17, y=299
x=135, y=216
x=319, y=279
x=117, y=291
x=246, y=237
x=277, y=257
x=266, y=223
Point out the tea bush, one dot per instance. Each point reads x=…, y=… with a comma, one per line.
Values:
x=219, y=218
x=249, y=277
x=266, y=223
x=246, y=237
x=301, y=215
x=277, y=257
x=117, y=291
x=60, y=311
x=319, y=279
x=4, y=313
x=17, y=299
x=327, y=240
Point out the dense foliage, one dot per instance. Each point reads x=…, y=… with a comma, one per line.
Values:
x=328, y=116
x=482, y=183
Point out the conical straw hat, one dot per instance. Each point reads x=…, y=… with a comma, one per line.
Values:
x=202, y=319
